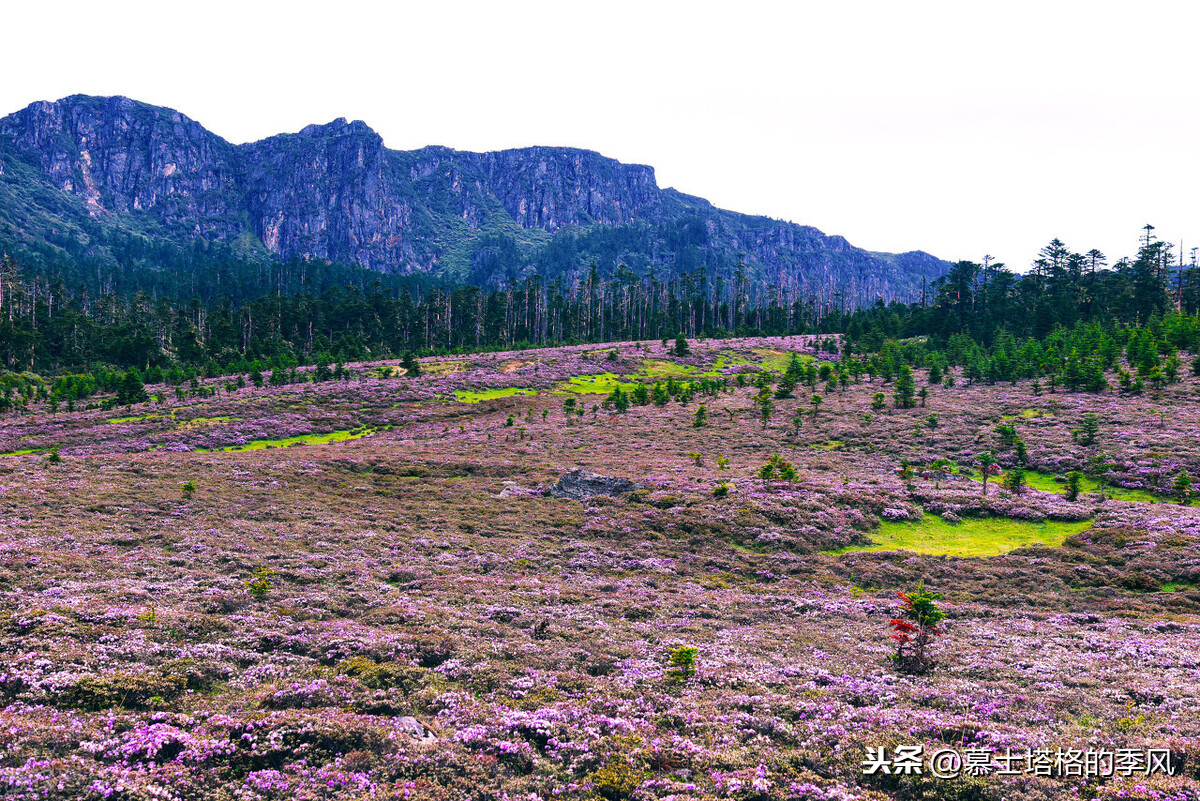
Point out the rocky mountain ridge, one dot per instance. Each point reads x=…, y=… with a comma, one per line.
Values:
x=335, y=192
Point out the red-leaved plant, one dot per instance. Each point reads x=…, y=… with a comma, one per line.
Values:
x=915, y=628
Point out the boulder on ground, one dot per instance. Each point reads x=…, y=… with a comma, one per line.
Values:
x=416, y=731
x=580, y=484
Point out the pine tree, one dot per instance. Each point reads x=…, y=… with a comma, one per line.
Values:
x=1183, y=488
x=1014, y=481
x=1074, y=478
x=131, y=389
x=903, y=393
x=987, y=465
x=915, y=628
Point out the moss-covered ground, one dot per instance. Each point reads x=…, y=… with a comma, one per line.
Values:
x=972, y=537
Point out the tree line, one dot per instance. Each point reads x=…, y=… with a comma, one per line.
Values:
x=1071, y=316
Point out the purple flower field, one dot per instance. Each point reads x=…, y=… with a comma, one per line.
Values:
x=402, y=609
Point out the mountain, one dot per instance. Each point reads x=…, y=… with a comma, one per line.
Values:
x=82, y=172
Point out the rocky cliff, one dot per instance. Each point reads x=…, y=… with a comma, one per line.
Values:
x=335, y=192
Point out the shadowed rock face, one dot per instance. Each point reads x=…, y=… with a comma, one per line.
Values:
x=335, y=192
x=579, y=484
x=329, y=192
x=121, y=156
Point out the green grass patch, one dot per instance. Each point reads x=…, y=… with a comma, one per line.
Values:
x=470, y=396
x=728, y=359
x=776, y=359
x=207, y=421
x=1177, y=586
x=26, y=452
x=1136, y=496
x=988, y=536
x=661, y=368
x=601, y=384
x=766, y=359
x=303, y=439
x=1047, y=483
x=136, y=418
x=830, y=445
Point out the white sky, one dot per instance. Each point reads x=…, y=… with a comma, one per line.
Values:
x=949, y=127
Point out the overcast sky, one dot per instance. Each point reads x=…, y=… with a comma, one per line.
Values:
x=954, y=128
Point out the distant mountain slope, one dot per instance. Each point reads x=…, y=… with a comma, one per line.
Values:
x=82, y=165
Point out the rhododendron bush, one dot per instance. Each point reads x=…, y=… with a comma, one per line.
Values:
x=375, y=587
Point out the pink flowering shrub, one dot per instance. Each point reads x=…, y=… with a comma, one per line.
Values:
x=440, y=627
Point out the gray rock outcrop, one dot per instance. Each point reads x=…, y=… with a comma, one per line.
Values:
x=579, y=484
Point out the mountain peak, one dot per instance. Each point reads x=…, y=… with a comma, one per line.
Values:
x=338, y=126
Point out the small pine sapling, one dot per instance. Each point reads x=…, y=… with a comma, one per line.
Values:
x=766, y=407
x=260, y=584
x=1183, y=488
x=682, y=662
x=1014, y=481
x=1074, y=478
x=914, y=629
x=987, y=467
x=797, y=422
x=1086, y=433
x=1098, y=467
